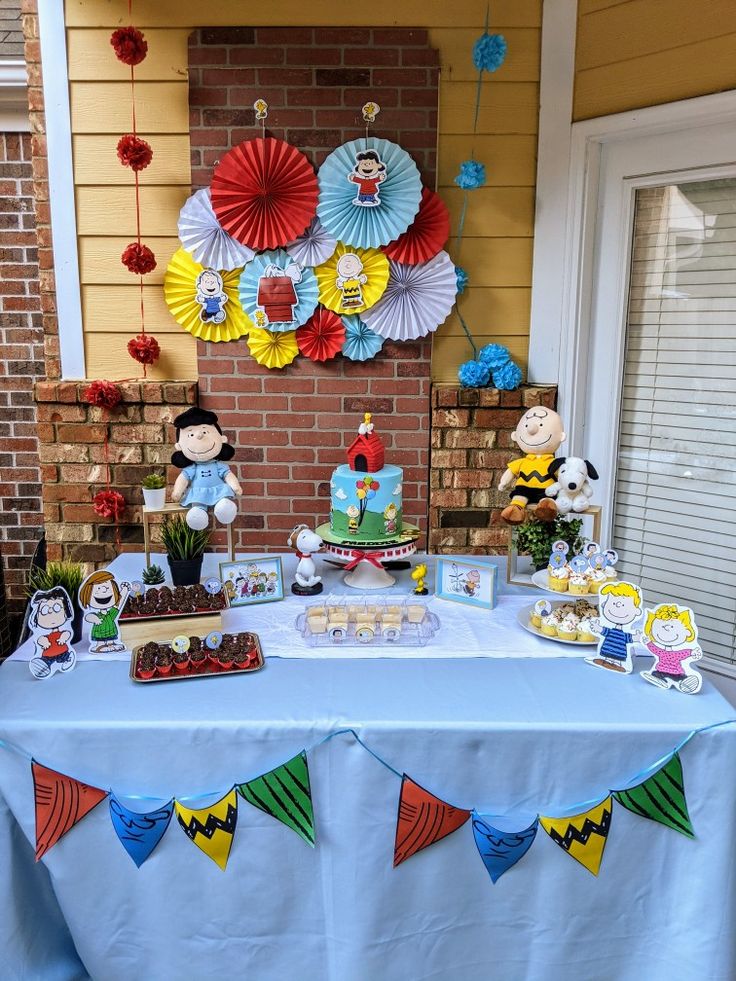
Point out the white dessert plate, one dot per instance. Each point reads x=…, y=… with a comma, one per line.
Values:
x=540, y=580
x=523, y=620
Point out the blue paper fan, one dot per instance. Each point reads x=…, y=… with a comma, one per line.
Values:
x=361, y=343
x=368, y=226
x=271, y=305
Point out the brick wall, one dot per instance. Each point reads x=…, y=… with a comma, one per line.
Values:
x=291, y=427
x=471, y=446
x=21, y=360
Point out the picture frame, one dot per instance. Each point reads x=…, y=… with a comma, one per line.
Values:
x=468, y=581
x=253, y=580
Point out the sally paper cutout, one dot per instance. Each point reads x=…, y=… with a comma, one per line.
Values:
x=423, y=819
x=670, y=635
x=139, y=833
x=661, y=798
x=500, y=850
x=582, y=836
x=285, y=794
x=61, y=801
x=50, y=621
x=211, y=828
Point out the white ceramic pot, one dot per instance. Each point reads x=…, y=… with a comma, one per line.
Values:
x=154, y=498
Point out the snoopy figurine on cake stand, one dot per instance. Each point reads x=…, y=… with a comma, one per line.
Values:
x=305, y=543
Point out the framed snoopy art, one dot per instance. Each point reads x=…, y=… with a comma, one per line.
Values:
x=471, y=582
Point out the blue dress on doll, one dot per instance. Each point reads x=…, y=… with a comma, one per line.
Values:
x=206, y=483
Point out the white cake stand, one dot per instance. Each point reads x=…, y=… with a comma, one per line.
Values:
x=364, y=563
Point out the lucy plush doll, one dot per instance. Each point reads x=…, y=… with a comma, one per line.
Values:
x=205, y=480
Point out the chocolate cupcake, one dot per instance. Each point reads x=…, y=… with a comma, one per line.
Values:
x=163, y=661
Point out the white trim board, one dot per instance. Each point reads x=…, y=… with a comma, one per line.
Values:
x=52, y=34
x=14, y=97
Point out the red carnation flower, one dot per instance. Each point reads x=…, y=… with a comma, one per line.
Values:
x=144, y=349
x=109, y=504
x=138, y=259
x=134, y=152
x=104, y=394
x=130, y=45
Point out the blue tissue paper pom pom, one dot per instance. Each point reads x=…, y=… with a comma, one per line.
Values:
x=507, y=377
x=472, y=175
x=489, y=52
x=474, y=374
x=461, y=278
x=494, y=355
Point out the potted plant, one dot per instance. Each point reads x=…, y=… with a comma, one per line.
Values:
x=184, y=550
x=535, y=538
x=154, y=491
x=66, y=574
x=153, y=575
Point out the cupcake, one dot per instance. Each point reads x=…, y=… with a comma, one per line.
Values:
x=585, y=631
x=549, y=625
x=568, y=628
x=597, y=579
x=163, y=661
x=558, y=579
x=540, y=609
x=579, y=583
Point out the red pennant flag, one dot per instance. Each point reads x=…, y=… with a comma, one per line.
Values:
x=423, y=820
x=61, y=801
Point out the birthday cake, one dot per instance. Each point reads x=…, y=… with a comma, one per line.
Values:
x=366, y=503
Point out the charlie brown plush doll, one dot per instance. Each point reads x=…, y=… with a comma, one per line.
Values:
x=538, y=434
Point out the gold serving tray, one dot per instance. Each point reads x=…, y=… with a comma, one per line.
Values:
x=209, y=672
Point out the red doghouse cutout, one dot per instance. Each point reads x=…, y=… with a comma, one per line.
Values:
x=277, y=297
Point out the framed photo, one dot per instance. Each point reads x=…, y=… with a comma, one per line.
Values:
x=253, y=580
x=466, y=581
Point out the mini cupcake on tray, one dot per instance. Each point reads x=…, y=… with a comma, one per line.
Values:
x=558, y=572
x=611, y=559
x=579, y=575
x=541, y=609
x=568, y=628
x=585, y=630
x=549, y=625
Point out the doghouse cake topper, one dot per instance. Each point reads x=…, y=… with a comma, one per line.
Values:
x=205, y=480
x=366, y=453
x=539, y=434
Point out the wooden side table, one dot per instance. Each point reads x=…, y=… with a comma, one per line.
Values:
x=516, y=578
x=176, y=509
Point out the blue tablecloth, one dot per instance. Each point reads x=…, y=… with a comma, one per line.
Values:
x=512, y=736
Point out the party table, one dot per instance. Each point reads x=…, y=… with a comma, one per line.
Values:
x=514, y=736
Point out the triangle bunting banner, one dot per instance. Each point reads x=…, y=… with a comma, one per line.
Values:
x=61, y=802
x=582, y=836
x=661, y=798
x=285, y=794
x=423, y=819
x=139, y=833
x=211, y=828
x=500, y=850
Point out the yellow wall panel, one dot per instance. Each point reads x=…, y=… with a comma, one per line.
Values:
x=456, y=46
x=495, y=261
x=104, y=107
x=493, y=211
x=91, y=57
x=509, y=160
x=107, y=357
x=509, y=107
x=111, y=210
x=99, y=259
x=109, y=309
x=96, y=160
x=494, y=308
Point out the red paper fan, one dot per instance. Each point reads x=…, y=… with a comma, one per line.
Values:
x=427, y=234
x=264, y=193
x=322, y=337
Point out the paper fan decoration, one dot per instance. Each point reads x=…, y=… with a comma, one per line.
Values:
x=264, y=192
x=417, y=299
x=361, y=343
x=361, y=203
x=205, y=301
x=322, y=336
x=352, y=279
x=314, y=247
x=277, y=292
x=273, y=350
x=426, y=235
x=202, y=235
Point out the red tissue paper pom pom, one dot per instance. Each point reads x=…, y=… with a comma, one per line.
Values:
x=138, y=259
x=104, y=394
x=109, y=504
x=144, y=349
x=130, y=45
x=134, y=152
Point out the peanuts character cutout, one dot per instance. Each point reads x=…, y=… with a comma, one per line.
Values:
x=101, y=595
x=368, y=173
x=621, y=607
x=389, y=518
x=472, y=582
x=211, y=296
x=538, y=434
x=671, y=636
x=353, y=514
x=51, y=624
x=350, y=279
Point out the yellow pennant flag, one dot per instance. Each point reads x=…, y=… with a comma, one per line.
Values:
x=211, y=828
x=582, y=836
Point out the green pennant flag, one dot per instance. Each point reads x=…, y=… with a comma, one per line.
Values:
x=284, y=793
x=661, y=798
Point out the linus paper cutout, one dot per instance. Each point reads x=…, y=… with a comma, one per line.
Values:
x=103, y=599
x=368, y=174
x=423, y=819
x=620, y=608
x=285, y=794
x=139, y=833
x=211, y=296
x=582, y=836
x=661, y=798
x=500, y=850
x=51, y=623
x=61, y=801
x=670, y=634
x=211, y=828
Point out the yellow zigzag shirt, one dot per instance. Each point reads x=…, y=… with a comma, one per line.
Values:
x=532, y=470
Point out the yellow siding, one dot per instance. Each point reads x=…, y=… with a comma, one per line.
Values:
x=635, y=53
x=497, y=245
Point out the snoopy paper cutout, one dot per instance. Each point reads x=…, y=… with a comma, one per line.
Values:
x=211, y=296
x=620, y=608
x=349, y=280
x=277, y=297
x=51, y=616
x=671, y=635
x=103, y=600
x=368, y=174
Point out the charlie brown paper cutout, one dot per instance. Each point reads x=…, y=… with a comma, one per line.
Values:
x=285, y=794
x=500, y=850
x=61, y=801
x=211, y=828
x=103, y=601
x=582, y=836
x=661, y=798
x=423, y=819
x=670, y=634
x=349, y=280
x=50, y=621
x=139, y=833
x=620, y=608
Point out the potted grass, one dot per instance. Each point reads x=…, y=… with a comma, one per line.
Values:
x=534, y=538
x=154, y=491
x=66, y=574
x=184, y=550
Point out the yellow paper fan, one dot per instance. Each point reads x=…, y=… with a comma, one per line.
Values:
x=352, y=296
x=180, y=291
x=273, y=349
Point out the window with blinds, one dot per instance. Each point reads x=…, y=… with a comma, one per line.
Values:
x=675, y=492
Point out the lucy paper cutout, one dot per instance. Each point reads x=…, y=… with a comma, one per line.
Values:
x=103, y=600
x=671, y=636
x=50, y=621
x=368, y=174
x=211, y=296
x=620, y=608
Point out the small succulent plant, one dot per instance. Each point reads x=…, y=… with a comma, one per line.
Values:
x=153, y=481
x=153, y=575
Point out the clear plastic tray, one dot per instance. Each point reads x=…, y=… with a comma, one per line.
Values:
x=367, y=621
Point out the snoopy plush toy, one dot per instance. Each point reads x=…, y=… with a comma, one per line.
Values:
x=571, y=490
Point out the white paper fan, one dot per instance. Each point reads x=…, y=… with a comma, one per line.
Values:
x=416, y=301
x=203, y=237
x=313, y=247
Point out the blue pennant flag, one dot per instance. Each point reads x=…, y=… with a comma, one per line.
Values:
x=139, y=833
x=501, y=849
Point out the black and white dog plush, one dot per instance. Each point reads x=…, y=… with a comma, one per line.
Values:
x=571, y=490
